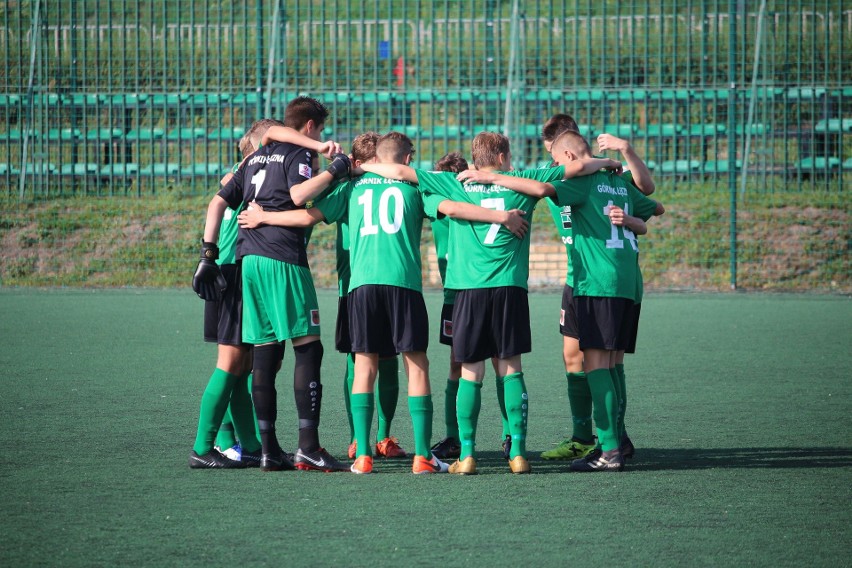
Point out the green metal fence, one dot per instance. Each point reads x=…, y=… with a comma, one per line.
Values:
x=731, y=100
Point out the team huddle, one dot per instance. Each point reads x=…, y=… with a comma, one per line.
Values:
x=259, y=293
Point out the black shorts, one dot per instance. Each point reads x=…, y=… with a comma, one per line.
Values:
x=341, y=328
x=605, y=323
x=223, y=318
x=447, y=324
x=387, y=320
x=568, y=325
x=634, y=331
x=492, y=322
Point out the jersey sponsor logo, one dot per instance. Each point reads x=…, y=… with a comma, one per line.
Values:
x=567, y=240
x=447, y=328
x=305, y=171
x=565, y=217
x=315, y=317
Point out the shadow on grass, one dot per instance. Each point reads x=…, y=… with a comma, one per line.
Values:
x=654, y=459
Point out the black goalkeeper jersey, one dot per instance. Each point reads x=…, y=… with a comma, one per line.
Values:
x=266, y=177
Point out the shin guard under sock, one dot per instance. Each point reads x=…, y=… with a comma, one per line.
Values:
x=267, y=360
x=450, y=418
x=605, y=407
x=517, y=410
x=580, y=400
x=468, y=406
x=214, y=404
x=307, y=390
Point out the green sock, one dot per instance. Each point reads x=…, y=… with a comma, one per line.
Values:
x=469, y=403
x=605, y=407
x=225, y=436
x=580, y=399
x=501, y=400
x=214, y=404
x=362, y=418
x=242, y=412
x=387, y=395
x=517, y=410
x=420, y=408
x=348, y=378
x=622, y=392
x=450, y=394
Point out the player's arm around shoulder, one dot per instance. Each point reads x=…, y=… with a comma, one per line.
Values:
x=309, y=189
x=513, y=219
x=392, y=171
x=527, y=186
x=588, y=166
x=641, y=175
x=255, y=216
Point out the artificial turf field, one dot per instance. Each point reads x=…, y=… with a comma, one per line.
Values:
x=739, y=406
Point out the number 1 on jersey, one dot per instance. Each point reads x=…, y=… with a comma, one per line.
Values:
x=614, y=240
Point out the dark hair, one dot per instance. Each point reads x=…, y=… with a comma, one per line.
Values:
x=452, y=162
x=556, y=125
x=302, y=109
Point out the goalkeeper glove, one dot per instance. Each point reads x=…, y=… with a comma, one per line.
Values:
x=208, y=281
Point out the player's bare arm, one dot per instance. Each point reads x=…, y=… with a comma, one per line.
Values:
x=619, y=218
x=255, y=216
x=513, y=219
x=292, y=136
x=521, y=185
x=588, y=166
x=309, y=189
x=392, y=171
x=641, y=174
x=215, y=211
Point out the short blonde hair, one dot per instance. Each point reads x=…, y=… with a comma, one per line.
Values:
x=487, y=147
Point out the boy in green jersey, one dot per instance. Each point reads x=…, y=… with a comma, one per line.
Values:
x=581, y=442
x=604, y=262
x=363, y=150
x=226, y=404
x=489, y=269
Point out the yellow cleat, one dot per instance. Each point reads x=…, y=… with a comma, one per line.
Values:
x=467, y=466
x=519, y=465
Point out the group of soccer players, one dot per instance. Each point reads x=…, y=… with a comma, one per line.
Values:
x=260, y=293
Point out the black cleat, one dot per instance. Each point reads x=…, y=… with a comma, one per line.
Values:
x=212, y=460
x=507, y=447
x=252, y=459
x=447, y=448
x=626, y=447
x=276, y=461
x=599, y=461
x=320, y=460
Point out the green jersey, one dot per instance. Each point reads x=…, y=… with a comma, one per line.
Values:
x=441, y=234
x=228, y=237
x=385, y=219
x=562, y=220
x=482, y=255
x=604, y=256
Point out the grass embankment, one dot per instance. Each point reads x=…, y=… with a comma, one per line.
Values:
x=786, y=241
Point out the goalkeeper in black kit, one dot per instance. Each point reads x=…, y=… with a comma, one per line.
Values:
x=279, y=300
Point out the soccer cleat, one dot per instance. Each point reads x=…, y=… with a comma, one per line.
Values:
x=251, y=459
x=212, y=460
x=421, y=465
x=568, y=449
x=233, y=453
x=519, y=464
x=353, y=449
x=276, y=461
x=467, y=466
x=627, y=448
x=507, y=446
x=389, y=448
x=362, y=465
x=447, y=448
x=599, y=461
x=319, y=460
